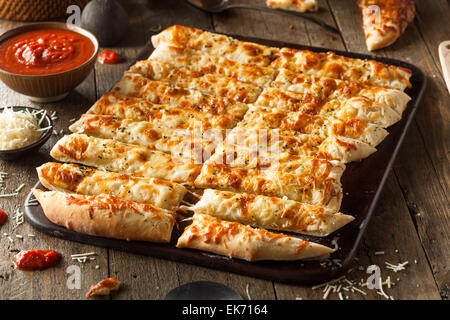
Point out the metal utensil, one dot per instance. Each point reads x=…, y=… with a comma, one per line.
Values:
x=217, y=6
x=202, y=290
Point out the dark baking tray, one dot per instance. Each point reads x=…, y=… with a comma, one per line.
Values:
x=362, y=184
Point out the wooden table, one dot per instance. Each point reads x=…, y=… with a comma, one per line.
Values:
x=410, y=224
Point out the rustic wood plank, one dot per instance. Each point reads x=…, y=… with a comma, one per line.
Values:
x=316, y=34
x=391, y=230
x=429, y=15
x=383, y=234
x=264, y=25
x=49, y=284
x=428, y=206
x=425, y=156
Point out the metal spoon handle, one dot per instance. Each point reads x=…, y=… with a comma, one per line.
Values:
x=287, y=13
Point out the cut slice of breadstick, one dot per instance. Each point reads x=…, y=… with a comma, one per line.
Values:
x=107, y=216
x=73, y=178
x=236, y=240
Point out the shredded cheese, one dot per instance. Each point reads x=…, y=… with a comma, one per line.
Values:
x=396, y=268
x=20, y=188
x=248, y=292
x=19, y=217
x=83, y=257
x=19, y=129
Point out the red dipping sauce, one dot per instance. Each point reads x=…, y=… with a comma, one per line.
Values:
x=45, y=51
x=36, y=259
x=109, y=57
x=3, y=217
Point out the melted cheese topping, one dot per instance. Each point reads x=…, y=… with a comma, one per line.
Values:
x=269, y=212
x=344, y=149
x=84, y=180
x=304, y=188
x=185, y=116
x=278, y=142
x=107, y=216
x=241, y=157
x=329, y=64
x=239, y=241
x=136, y=85
x=210, y=229
x=190, y=144
x=115, y=205
x=216, y=45
x=208, y=64
x=330, y=90
x=208, y=83
x=124, y=158
x=309, y=124
x=358, y=107
x=294, y=5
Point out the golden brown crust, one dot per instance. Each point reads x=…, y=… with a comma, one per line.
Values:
x=120, y=157
x=329, y=64
x=107, y=216
x=208, y=64
x=236, y=240
x=270, y=212
x=304, y=188
x=222, y=86
x=73, y=178
x=185, y=115
x=186, y=143
x=138, y=86
x=305, y=123
x=216, y=44
x=332, y=96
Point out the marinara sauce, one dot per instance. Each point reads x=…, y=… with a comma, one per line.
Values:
x=45, y=51
x=109, y=57
x=36, y=259
x=3, y=217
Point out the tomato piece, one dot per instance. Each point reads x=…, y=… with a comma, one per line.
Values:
x=3, y=217
x=109, y=57
x=36, y=259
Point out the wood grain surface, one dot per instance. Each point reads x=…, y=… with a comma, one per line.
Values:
x=410, y=224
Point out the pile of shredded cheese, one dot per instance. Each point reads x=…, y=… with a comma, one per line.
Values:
x=18, y=129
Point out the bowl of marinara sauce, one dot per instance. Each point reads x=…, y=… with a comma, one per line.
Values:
x=45, y=61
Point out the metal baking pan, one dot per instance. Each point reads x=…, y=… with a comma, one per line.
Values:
x=362, y=184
